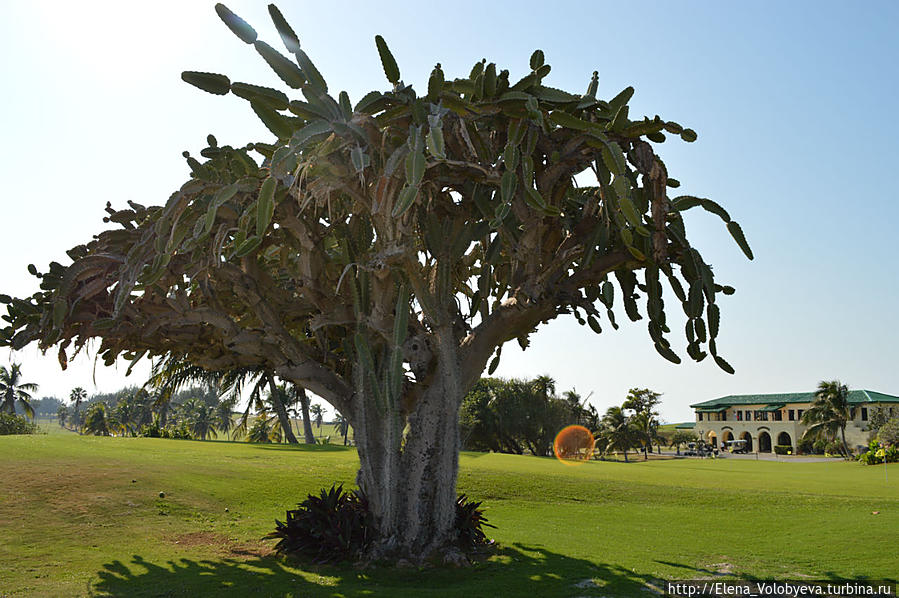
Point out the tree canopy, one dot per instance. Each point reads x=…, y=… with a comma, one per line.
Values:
x=380, y=253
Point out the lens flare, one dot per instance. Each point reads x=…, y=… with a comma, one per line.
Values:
x=574, y=445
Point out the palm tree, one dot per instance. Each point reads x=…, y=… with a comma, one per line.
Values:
x=77, y=395
x=264, y=429
x=224, y=414
x=617, y=433
x=343, y=426
x=682, y=437
x=201, y=419
x=62, y=414
x=171, y=372
x=545, y=386
x=96, y=421
x=300, y=396
x=318, y=414
x=829, y=412
x=12, y=389
x=124, y=416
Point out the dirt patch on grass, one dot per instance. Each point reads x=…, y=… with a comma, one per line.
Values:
x=222, y=544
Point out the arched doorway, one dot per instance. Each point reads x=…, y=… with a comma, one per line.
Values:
x=726, y=436
x=764, y=442
x=713, y=439
x=748, y=438
x=783, y=439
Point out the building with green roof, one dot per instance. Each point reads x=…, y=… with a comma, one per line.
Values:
x=766, y=420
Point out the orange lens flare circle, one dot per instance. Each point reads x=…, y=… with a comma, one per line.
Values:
x=574, y=445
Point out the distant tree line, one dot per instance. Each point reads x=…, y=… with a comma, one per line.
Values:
x=520, y=416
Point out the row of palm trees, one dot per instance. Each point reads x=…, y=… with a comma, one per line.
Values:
x=203, y=417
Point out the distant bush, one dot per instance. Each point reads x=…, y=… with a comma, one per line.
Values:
x=151, y=430
x=873, y=455
x=154, y=430
x=180, y=432
x=783, y=449
x=14, y=424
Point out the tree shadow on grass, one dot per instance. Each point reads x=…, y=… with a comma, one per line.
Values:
x=302, y=448
x=516, y=570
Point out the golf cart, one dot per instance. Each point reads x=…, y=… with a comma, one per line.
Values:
x=737, y=446
x=699, y=449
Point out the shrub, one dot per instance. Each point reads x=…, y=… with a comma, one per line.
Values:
x=333, y=526
x=834, y=447
x=181, y=432
x=783, y=449
x=151, y=430
x=470, y=523
x=805, y=446
x=14, y=424
x=819, y=446
x=336, y=526
x=871, y=456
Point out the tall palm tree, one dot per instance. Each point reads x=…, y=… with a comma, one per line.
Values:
x=77, y=395
x=300, y=396
x=317, y=413
x=545, y=386
x=12, y=389
x=829, y=412
x=617, y=432
x=343, y=426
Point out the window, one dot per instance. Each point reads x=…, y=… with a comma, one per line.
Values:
x=799, y=414
x=864, y=414
x=700, y=416
x=739, y=415
x=778, y=416
x=791, y=415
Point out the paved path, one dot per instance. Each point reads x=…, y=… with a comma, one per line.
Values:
x=784, y=458
x=767, y=457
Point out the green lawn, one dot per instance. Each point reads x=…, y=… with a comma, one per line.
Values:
x=81, y=516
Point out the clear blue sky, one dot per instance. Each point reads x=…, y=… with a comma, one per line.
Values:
x=794, y=104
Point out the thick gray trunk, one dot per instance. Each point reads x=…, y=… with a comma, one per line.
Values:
x=304, y=406
x=281, y=411
x=409, y=465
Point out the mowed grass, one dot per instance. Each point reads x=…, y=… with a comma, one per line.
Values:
x=82, y=516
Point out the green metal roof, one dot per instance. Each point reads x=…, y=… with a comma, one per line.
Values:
x=712, y=409
x=777, y=407
x=856, y=397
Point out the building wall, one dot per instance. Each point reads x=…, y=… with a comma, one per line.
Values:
x=856, y=432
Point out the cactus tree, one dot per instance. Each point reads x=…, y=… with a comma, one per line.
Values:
x=380, y=254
